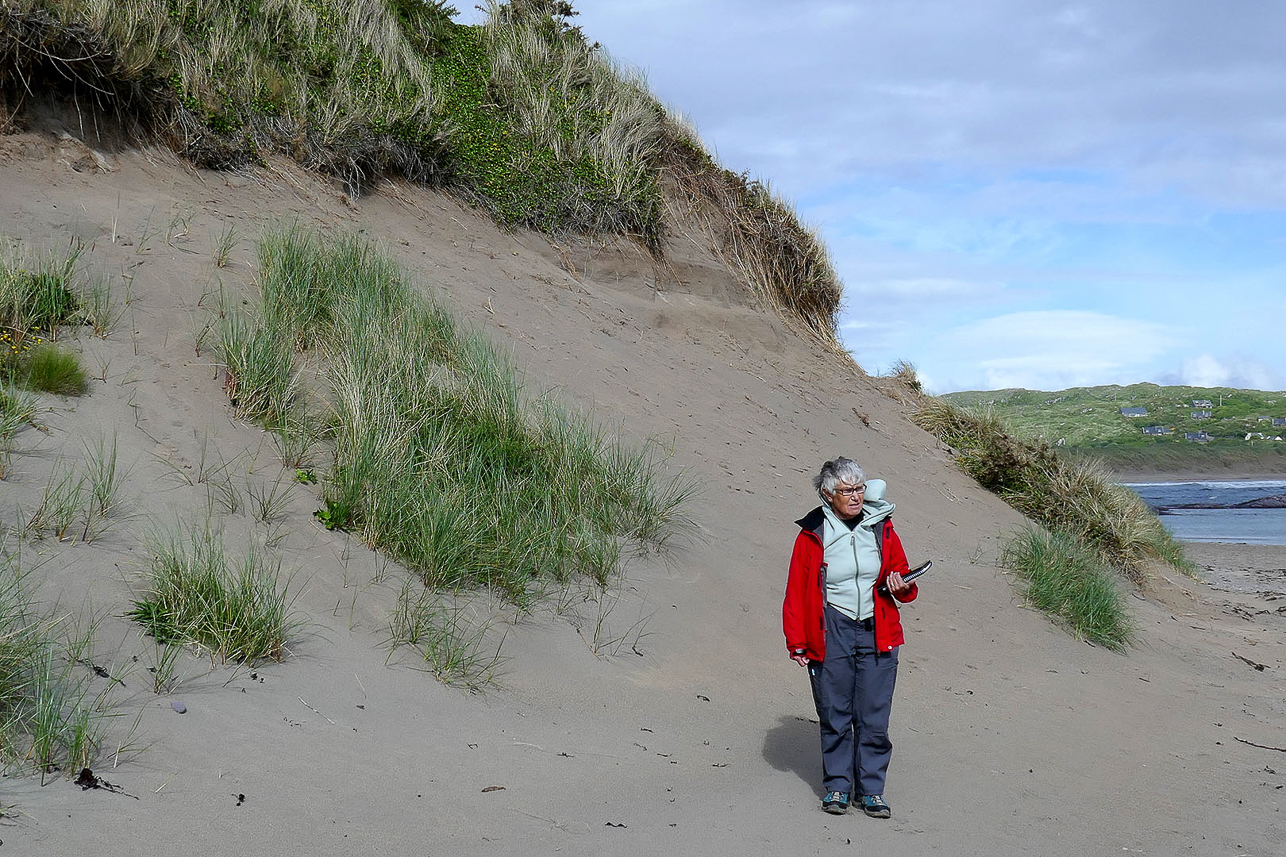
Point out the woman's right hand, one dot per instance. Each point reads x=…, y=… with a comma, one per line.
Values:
x=802, y=660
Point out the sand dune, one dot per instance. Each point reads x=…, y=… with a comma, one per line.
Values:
x=688, y=730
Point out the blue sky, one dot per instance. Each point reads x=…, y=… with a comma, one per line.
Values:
x=1015, y=193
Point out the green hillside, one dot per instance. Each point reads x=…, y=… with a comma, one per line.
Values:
x=1236, y=429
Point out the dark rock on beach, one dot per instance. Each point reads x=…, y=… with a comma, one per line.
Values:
x=1276, y=501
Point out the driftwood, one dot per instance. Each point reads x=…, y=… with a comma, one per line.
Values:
x=1249, y=662
x=1260, y=746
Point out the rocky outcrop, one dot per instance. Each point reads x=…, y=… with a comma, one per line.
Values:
x=1276, y=501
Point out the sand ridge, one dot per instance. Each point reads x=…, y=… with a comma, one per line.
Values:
x=1010, y=735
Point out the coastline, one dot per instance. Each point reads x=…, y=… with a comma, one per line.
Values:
x=1125, y=476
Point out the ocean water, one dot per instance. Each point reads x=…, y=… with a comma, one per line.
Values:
x=1244, y=526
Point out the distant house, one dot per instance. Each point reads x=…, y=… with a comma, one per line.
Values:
x=1134, y=412
x=1196, y=437
x=1279, y=421
x=1202, y=403
x=1264, y=419
x=1155, y=430
x=1201, y=415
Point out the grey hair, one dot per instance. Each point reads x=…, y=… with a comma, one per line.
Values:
x=840, y=470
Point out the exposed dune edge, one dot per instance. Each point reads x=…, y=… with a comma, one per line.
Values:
x=1010, y=735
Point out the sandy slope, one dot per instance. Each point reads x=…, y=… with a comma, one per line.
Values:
x=1012, y=738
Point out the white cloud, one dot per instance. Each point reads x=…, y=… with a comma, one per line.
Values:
x=1206, y=370
x=1000, y=85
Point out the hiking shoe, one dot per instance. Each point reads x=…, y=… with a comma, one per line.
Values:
x=836, y=803
x=875, y=807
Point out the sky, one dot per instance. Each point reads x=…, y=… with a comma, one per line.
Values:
x=1015, y=193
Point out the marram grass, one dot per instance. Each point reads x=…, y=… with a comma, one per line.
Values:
x=1064, y=578
x=439, y=457
x=38, y=296
x=49, y=718
x=235, y=609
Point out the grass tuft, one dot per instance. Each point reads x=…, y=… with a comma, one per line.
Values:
x=1067, y=580
x=38, y=296
x=237, y=610
x=260, y=375
x=48, y=369
x=17, y=409
x=49, y=719
x=445, y=635
x=438, y=457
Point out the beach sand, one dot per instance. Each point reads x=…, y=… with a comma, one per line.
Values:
x=661, y=716
x=1243, y=568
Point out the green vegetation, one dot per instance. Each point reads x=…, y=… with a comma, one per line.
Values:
x=196, y=595
x=756, y=234
x=437, y=456
x=37, y=297
x=1088, y=421
x=1090, y=522
x=77, y=500
x=520, y=115
x=29, y=362
x=49, y=720
x=549, y=132
x=444, y=636
x=52, y=370
x=16, y=410
x=1079, y=498
x=1070, y=582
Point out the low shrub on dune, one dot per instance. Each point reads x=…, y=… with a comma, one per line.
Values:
x=1078, y=496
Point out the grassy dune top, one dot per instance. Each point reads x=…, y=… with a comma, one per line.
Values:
x=521, y=114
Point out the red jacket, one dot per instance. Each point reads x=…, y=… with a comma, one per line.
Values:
x=801, y=612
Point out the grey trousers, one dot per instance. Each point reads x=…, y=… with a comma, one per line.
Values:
x=853, y=691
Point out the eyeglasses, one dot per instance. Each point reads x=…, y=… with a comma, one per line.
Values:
x=849, y=492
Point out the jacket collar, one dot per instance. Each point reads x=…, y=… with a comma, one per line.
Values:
x=813, y=522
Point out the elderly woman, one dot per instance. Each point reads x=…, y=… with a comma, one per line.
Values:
x=841, y=621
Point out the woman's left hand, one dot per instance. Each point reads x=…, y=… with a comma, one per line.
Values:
x=897, y=586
